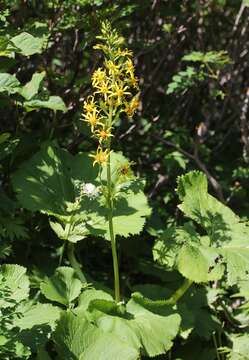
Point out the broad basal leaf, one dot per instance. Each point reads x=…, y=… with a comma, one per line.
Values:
x=63, y=286
x=139, y=328
x=182, y=248
x=76, y=338
x=36, y=323
x=228, y=235
x=67, y=187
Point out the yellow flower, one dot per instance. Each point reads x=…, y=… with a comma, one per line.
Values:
x=131, y=107
x=98, y=77
x=114, y=69
x=123, y=53
x=101, y=157
x=89, y=104
x=103, y=89
x=134, y=82
x=129, y=67
x=119, y=91
x=92, y=118
x=103, y=134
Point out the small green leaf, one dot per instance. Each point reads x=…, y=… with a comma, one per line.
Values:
x=54, y=103
x=16, y=281
x=192, y=264
x=63, y=286
x=27, y=44
x=32, y=87
x=91, y=294
x=8, y=83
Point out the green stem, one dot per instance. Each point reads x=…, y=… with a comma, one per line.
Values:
x=216, y=347
x=111, y=230
x=179, y=292
x=74, y=263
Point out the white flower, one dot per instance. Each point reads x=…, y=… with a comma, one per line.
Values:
x=89, y=190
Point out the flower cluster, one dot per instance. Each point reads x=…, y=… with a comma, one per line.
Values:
x=114, y=86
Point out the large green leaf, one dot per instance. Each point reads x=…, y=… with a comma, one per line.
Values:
x=43, y=183
x=240, y=347
x=228, y=235
x=141, y=329
x=77, y=339
x=63, y=286
x=36, y=323
x=67, y=187
x=184, y=249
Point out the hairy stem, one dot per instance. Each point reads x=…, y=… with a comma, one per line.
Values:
x=74, y=263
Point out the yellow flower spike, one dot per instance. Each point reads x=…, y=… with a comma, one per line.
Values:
x=99, y=76
x=101, y=157
x=103, y=134
x=92, y=119
x=119, y=91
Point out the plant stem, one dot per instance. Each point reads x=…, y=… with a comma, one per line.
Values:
x=216, y=347
x=111, y=230
x=110, y=215
x=74, y=263
x=179, y=292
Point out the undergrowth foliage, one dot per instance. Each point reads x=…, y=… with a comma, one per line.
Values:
x=107, y=273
